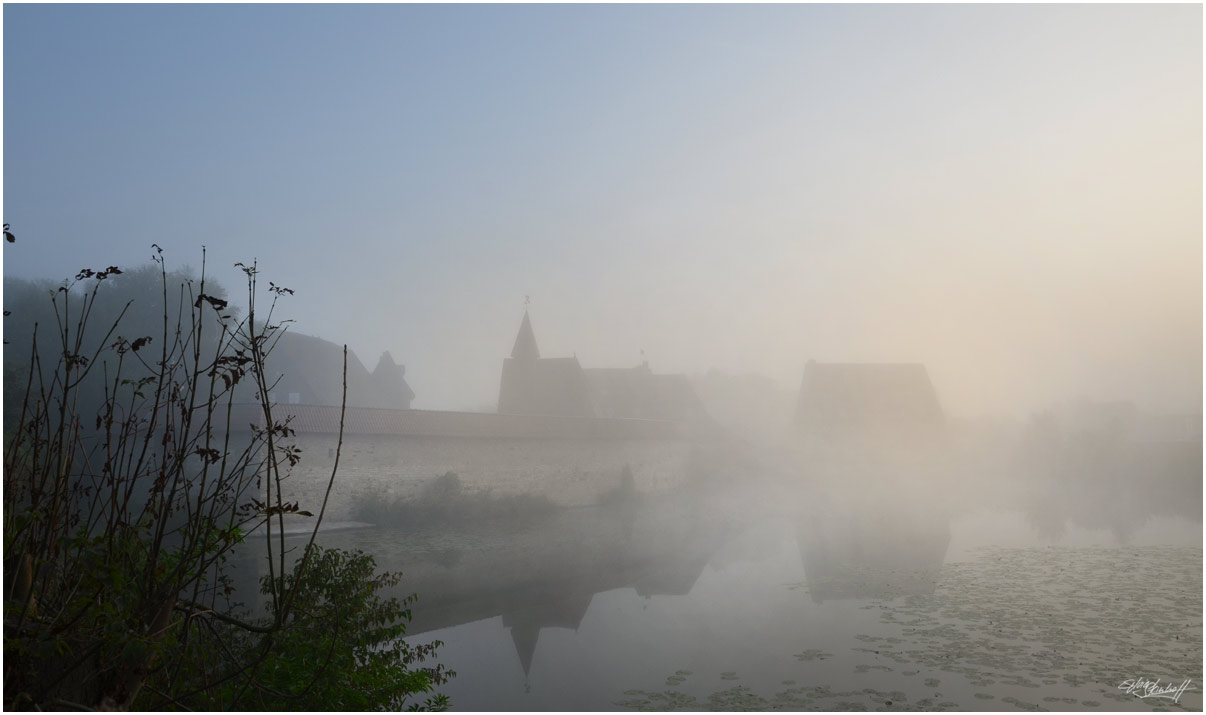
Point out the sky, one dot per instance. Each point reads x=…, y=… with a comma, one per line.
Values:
x=1009, y=194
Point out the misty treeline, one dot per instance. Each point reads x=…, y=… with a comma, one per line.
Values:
x=126, y=495
x=444, y=500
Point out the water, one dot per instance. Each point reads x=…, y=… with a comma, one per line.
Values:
x=747, y=599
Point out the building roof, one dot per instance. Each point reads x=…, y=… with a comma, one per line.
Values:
x=389, y=387
x=560, y=386
x=312, y=369
x=525, y=342
x=863, y=398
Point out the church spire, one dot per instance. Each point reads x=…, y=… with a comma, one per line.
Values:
x=525, y=343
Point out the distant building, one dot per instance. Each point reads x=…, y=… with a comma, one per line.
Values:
x=532, y=385
x=305, y=370
x=1123, y=421
x=561, y=386
x=388, y=385
x=870, y=425
x=637, y=392
x=867, y=403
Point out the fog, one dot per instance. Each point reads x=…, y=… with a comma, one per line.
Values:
x=1011, y=196
x=745, y=357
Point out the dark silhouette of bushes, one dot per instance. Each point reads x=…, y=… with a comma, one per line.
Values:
x=124, y=495
x=444, y=500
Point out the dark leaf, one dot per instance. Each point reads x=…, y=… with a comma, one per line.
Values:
x=217, y=303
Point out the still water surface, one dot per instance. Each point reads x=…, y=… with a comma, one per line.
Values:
x=738, y=602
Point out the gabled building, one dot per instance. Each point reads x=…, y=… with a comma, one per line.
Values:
x=637, y=392
x=388, y=385
x=532, y=385
x=561, y=386
x=306, y=370
x=867, y=403
x=862, y=424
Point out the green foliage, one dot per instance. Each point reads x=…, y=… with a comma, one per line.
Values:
x=343, y=647
x=125, y=493
x=112, y=518
x=444, y=500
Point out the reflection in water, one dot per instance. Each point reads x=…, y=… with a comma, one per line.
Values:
x=695, y=603
x=544, y=575
x=695, y=600
x=525, y=624
x=1106, y=479
x=882, y=555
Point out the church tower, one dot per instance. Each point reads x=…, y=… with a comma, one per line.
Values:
x=525, y=342
x=532, y=385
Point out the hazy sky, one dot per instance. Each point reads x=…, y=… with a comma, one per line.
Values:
x=1009, y=194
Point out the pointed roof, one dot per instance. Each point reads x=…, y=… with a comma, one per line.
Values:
x=525, y=342
x=386, y=362
x=389, y=386
x=563, y=611
x=525, y=638
x=313, y=368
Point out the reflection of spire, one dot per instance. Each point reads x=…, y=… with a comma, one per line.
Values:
x=525, y=342
x=566, y=611
x=525, y=636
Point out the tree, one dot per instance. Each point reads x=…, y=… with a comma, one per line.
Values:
x=136, y=295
